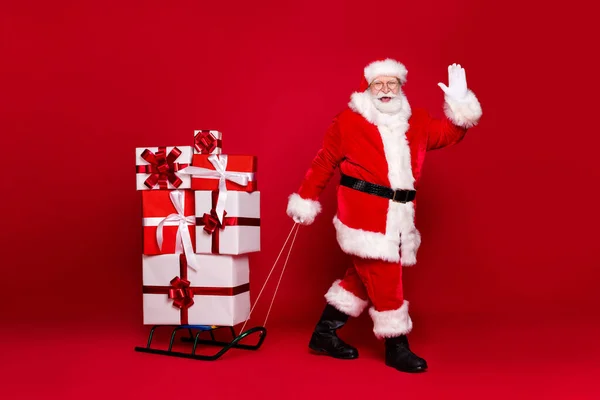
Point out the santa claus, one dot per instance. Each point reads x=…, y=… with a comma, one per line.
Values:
x=379, y=144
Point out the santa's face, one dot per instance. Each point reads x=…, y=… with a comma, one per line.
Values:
x=386, y=94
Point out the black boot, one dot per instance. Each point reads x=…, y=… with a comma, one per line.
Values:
x=398, y=355
x=324, y=339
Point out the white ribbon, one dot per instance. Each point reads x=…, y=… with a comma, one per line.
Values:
x=219, y=161
x=183, y=238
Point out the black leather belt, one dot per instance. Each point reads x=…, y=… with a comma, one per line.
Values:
x=399, y=196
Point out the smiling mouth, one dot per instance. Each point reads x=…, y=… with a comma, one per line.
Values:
x=385, y=99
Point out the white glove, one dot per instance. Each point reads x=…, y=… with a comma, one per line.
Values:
x=457, y=83
x=298, y=220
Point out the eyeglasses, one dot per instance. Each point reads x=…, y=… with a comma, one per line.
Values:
x=392, y=85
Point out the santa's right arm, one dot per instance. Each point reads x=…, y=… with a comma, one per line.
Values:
x=462, y=110
x=304, y=205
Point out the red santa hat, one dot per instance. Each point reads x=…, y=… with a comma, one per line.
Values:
x=387, y=67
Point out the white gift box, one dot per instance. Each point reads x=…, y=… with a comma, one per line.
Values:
x=208, y=141
x=219, y=290
x=156, y=167
x=237, y=231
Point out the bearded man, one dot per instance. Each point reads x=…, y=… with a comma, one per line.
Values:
x=379, y=145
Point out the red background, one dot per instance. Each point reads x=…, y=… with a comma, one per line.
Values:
x=508, y=216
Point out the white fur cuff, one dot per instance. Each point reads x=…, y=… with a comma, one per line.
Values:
x=345, y=301
x=465, y=112
x=410, y=243
x=304, y=209
x=391, y=323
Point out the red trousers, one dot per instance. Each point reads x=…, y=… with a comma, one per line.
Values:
x=379, y=283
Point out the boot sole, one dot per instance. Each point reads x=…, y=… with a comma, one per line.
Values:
x=411, y=370
x=323, y=352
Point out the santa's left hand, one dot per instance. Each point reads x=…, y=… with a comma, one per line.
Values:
x=457, y=83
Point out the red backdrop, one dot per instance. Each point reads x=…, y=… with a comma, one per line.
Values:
x=508, y=216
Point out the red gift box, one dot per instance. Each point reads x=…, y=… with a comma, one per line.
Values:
x=238, y=171
x=169, y=222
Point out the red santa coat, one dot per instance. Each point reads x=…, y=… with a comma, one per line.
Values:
x=384, y=149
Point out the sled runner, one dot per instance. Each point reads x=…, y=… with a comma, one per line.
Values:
x=194, y=331
x=195, y=340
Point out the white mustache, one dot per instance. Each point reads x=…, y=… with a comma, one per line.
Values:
x=390, y=94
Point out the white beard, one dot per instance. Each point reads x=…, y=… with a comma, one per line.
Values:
x=392, y=107
x=394, y=114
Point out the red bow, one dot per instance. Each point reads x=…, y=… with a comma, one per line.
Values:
x=181, y=293
x=205, y=142
x=162, y=168
x=211, y=221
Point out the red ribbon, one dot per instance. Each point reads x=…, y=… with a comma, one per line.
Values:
x=184, y=287
x=182, y=294
x=162, y=168
x=205, y=142
x=211, y=221
x=212, y=225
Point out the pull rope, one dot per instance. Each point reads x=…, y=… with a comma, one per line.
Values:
x=281, y=275
x=294, y=227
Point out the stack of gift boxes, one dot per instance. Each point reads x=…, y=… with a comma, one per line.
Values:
x=201, y=219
